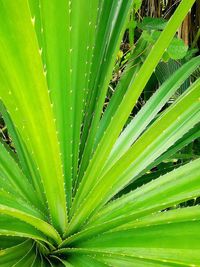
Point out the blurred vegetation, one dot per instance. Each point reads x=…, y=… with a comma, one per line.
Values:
x=189, y=31
x=149, y=17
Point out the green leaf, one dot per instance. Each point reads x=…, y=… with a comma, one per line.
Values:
x=26, y=162
x=24, y=92
x=14, y=181
x=177, y=49
x=16, y=208
x=133, y=65
x=193, y=134
x=112, y=21
x=167, y=217
x=137, y=4
x=9, y=256
x=80, y=260
x=149, y=23
x=149, y=111
x=11, y=226
x=163, y=133
x=27, y=259
x=56, y=23
x=172, y=188
x=168, y=248
x=177, y=232
x=160, y=194
x=10, y=241
x=118, y=260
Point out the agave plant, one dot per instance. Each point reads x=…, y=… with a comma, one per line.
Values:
x=68, y=194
